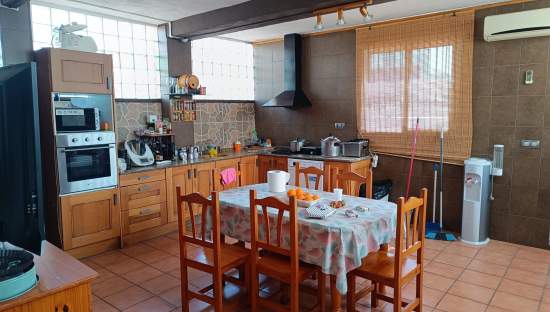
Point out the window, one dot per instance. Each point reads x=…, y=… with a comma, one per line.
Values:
x=134, y=47
x=419, y=70
x=224, y=67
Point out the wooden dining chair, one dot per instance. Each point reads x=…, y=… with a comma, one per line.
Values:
x=307, y=172
x=351, y=182
x=203, y=249
x=396, y=271
x=276, y=261
x=216, y=177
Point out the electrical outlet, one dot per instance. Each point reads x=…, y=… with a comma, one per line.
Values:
x=339, y=125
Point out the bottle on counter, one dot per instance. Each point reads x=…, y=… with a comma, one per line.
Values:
x=237, y=147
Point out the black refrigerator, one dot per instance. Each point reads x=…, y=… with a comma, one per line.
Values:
x=21, y=200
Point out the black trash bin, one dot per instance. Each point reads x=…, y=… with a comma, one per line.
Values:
x=380, y=189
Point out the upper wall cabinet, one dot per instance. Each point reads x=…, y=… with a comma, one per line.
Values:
x=82, y=72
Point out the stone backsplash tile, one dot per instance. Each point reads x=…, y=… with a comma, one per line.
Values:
x=131, y=116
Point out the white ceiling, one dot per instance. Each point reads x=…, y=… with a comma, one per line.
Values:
x=382, y=12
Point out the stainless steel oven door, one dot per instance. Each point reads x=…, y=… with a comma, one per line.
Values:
x=86, y=168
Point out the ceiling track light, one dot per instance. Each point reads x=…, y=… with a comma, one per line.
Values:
x=367, y=17
x=340, y=21
x=319, y=24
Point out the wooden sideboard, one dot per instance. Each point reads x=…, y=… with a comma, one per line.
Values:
x=64, y=285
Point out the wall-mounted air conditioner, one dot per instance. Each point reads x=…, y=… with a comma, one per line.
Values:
x=533, y=23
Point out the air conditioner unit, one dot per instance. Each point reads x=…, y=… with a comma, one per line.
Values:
x=526, y=24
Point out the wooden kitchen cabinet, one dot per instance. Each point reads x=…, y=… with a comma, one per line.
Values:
x=266, y=163
x=362, y=167
x=181, y=177
x=249, y=170
x=82, y=72
x=89, y=218
x=202, y=178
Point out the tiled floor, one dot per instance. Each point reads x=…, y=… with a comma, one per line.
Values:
x=458, y=278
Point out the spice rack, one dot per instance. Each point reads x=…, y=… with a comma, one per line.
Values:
x=182, y=109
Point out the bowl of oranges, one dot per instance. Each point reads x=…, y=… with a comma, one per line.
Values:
x=303, y=199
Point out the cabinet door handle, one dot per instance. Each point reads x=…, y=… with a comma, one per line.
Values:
x=188, y=174
x=145, y=211
x=195, y=173
x=65, y=308
x=144, y=188
x=115, y=199
x=143, y=178
x=108, y=83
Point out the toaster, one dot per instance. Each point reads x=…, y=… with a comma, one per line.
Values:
x=355, y=148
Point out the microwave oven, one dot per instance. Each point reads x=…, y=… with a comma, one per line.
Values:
x=76, y=119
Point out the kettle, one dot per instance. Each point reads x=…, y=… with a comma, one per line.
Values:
x=330, y=146
x=277, y=180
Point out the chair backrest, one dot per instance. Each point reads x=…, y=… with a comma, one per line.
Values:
x=216, y=177
x=268, y=243
x=318, y=173
x=200, y=233
x=351, y=182
x=411, y=228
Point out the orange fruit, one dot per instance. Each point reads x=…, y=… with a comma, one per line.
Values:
x=300, y=197
x=316, y=197
x=308, y=197
x=299, y=192
x=291, y=193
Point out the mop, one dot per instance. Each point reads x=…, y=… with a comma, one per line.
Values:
x=439, y=233
x=432, y=228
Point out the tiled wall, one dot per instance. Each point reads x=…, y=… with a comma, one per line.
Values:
x=131, y=116
x=505, y=111
x=328, y=79
x=224, y=123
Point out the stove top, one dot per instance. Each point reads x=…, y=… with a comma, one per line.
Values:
x=307, y=150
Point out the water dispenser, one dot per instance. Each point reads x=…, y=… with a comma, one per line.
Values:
x=475, y=209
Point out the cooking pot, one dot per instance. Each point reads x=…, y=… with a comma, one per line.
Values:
x=296, y=144
x=330, y=146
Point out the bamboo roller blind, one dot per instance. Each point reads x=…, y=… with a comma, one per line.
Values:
x=417, y=69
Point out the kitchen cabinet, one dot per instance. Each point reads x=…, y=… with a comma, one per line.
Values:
x=82, y=72
x=220, y=165
x=202, y=178
x=249, y=170
x=143, y=201
x=362, y=167
x=266, y=163
x=90, y=218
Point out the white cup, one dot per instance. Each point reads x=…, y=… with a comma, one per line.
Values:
x=338, y=192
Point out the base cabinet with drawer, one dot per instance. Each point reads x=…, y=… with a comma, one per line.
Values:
x=143, y=201
x=90, y=218
x=266, y=163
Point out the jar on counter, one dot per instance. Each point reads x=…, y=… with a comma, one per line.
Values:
x=237, y=147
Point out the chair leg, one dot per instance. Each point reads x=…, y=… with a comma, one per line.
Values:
x=374, y=295
x=397, y=299
x=350, y=300
x=321, y=285
x=294, y=296
x=218, y=291
x=419, y=292
x=184, y=289
x=253, y=292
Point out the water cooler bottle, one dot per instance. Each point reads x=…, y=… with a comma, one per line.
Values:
x=475, y=210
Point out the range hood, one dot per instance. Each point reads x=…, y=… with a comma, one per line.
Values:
x=292, y=96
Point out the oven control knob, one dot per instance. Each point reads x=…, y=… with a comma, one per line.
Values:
x=74, y=140
x=99, y=138
x=86, y=139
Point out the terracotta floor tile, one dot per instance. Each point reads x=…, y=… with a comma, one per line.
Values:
x=521, y=289
x=153, y=256
x=546, y=295
x=104, y=275
x=155, y=304
x=431, y=297
x=141, y=275
x=451, y=303
x=526, y=277
x=109, y=257
x=530, y=265
x=101, y=306
x=127, y=298
x=487, y=267
x=437, y=281
x=123, y=267
x=533, y=254
x=471, y=291
x=502, y=248
x=453, y=259
x=429, y=254
x=162, y=243
x=137, y=249
x=168, y=264
x=494, y=257
x=110, y=286
x=173, y=296
x=436, y=244
x=160, y=284
x=89, y=262
x=480, y=279
x=495, y=309
x=461, y=250
x=544, y=307
x=443, y=269
x=513, y=303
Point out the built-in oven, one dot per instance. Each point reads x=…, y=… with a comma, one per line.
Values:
x=86, y=161
x=76, y=119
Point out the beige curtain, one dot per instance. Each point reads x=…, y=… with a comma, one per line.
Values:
x=417, y=70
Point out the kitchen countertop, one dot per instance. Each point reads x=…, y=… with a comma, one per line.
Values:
x=244, y=153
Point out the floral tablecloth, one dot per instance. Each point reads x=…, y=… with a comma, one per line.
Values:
x=336, y=244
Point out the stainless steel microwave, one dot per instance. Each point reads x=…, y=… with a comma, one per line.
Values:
x=76, y=119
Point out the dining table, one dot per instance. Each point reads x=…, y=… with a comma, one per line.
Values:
x=336, y=244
